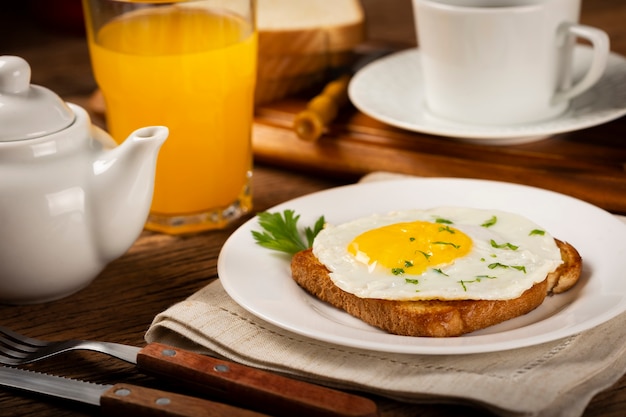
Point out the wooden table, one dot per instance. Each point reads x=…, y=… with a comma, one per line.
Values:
x=161, y=270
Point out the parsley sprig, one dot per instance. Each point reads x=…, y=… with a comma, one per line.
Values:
x=281, y=233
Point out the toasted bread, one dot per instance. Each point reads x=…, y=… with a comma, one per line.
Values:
x=434, y=318
x=568, y=273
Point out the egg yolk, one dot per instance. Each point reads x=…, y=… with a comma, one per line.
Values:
x=410, y=247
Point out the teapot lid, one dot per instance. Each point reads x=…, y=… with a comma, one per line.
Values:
x=28, y=111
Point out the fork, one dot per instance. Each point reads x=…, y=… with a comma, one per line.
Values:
x=16, y=349
x=253, y=388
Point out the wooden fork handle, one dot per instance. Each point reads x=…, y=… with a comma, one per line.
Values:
x=250, y=387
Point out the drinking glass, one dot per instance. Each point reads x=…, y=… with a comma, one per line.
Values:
x=189, y=65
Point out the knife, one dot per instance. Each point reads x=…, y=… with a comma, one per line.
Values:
x=249, y=387
x=119, y=399
x=310, y=123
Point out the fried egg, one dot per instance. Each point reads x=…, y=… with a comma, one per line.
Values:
x=446, y=253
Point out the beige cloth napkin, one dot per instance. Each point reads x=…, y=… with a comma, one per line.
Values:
x=552, y=379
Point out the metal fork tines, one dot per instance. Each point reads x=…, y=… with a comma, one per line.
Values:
x=16, y=349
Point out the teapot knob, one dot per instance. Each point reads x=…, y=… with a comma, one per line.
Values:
x=15, y=75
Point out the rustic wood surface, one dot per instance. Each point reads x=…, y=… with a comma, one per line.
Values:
x=160, y=270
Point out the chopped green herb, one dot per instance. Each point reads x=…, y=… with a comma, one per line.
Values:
x=426, y=255
x=490, y=222
x=411, y=239
x=281, y=232
x=408, y=264
x=455, y=246
x=397, y=271
x=503, y=245
x=479, y=277
x=443, y=221
x=411, y=281
x=439, y=271
x=499, y=265
x=537, y=232
x=447, y=229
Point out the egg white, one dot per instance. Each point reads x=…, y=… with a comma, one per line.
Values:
x=468, y=277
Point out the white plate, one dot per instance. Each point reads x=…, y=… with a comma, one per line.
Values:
x=391, y=90
x=259, y=279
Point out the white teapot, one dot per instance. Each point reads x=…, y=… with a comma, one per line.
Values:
x=71, y=201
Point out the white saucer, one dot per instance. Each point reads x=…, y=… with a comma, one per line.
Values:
x=390, y=90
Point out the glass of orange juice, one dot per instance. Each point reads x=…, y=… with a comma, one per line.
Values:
x=189, y=65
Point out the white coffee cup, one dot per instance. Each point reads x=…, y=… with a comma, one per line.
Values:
x=503, y=62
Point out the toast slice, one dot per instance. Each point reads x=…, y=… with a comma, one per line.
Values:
x=433, y=318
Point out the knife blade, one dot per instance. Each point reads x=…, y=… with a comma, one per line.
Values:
x=249, y=387
x=119, y=399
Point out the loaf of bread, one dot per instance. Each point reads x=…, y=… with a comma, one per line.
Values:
x=434, y=318
x=308, y=26
x=300, y=40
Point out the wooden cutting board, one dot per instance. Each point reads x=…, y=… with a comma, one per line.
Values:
x=589, y=164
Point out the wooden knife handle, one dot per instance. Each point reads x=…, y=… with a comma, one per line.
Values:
x=309, y=124
x=132, y=400
x=250, y=387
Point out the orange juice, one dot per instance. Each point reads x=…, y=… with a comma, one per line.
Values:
x=192, y=70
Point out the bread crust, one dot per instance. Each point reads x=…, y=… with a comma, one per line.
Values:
x=567, y=274
x=432, y=318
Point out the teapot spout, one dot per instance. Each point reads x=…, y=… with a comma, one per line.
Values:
x=124, y=187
